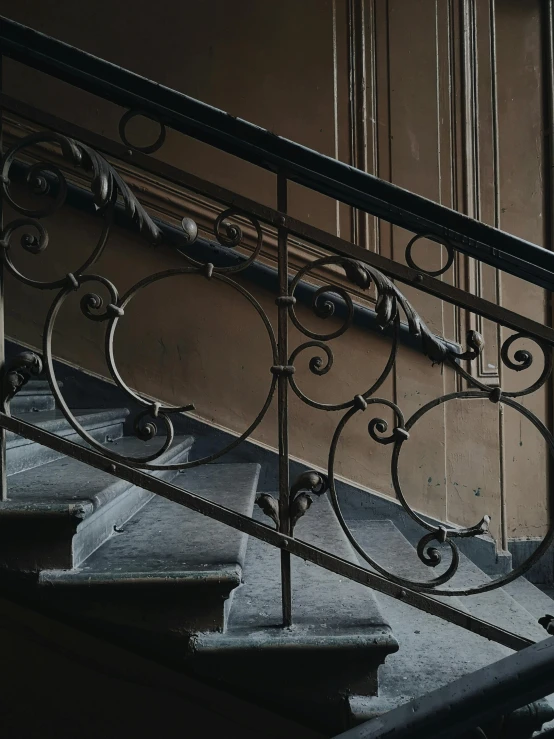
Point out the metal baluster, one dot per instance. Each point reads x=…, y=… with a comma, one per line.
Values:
x=3, y=480
x=282, y=389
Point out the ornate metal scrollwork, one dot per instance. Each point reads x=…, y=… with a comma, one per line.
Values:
x=106, y=186
x=109, y=188
x=390, y=304
x=101, y=302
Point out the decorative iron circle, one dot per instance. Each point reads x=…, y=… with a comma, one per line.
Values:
x=150, y=148
x=429, y=554
x=437, y=240
x=112, y=365
x=460, y=533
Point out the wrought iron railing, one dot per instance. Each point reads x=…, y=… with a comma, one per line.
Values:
x=59, y=149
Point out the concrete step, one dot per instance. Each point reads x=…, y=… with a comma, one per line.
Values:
x=59, y=513
x=33, y=397
x=432, y=652
x=499, y=606
x=169, y=571
x=338, y=639
x=533, y=599
x=23, y=454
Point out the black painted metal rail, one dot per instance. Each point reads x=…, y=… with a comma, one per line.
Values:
x=265, y=149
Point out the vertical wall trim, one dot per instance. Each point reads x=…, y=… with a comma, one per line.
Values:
x=496, y=175
x=547, y=20
x=548, y=82
x=372, y=113
x=359, y=122
x=336, y=100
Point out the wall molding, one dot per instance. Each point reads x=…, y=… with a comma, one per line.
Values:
x=171, y=203
x=261, y=274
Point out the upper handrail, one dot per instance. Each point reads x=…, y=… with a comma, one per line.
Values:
x=275, y=153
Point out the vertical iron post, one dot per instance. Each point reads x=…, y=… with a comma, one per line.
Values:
x=282, y=396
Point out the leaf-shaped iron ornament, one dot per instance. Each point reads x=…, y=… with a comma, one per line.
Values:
x=18, y=373
x=307, y=484
x=389, y=298
x=107, y=185
x=269, y=506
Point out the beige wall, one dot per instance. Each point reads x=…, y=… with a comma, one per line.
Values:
x=424, y=105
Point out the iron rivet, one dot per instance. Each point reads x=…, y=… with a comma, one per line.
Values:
x=402, y=594
x=113, y=468
x=129, y=153
x=418, y=278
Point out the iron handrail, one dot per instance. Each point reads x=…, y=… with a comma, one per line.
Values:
x=275, y=153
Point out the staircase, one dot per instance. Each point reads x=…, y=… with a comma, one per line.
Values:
x=83, y=539
x=173, y=584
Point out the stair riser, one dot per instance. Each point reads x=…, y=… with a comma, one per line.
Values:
x=154, y=615
x=306, y=685
x=26, y=456
x=29, y=544
x=31, y=403
x=93, y=532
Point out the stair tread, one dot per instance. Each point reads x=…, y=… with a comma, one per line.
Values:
x=532, y=598
x=400, y=559
x=432, y=652
x=496, y=606
x=55, y=422
x=164, y=537
x=318, y=609
x=36, y=387
x=67, y=480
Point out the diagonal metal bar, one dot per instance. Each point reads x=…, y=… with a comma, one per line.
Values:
x=473, y=699
x=264, y=149
x=295, y=227
x=264, y=533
